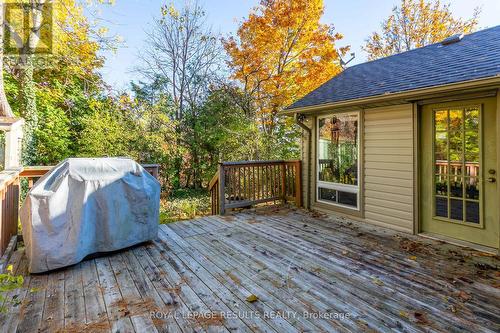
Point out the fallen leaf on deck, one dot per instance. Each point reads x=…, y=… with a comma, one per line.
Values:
x=133, y=307
x=99, y=326
x=482, y=254
x=316, y=214
x=412, y=246
x=420, y=317
x=464, y=296
x=316, y=269
x=362, y=323
x=403, y=314
x=378, y=282
x=208, y=320
x=344, y=252
x=467, y=280
x=252, y=298
x=177, y=290
x=413, y=258
x=233, y=277
x=253, y=221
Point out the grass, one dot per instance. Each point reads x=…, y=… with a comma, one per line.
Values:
x=184, y=204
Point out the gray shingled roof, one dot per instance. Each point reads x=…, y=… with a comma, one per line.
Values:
x=476, y=56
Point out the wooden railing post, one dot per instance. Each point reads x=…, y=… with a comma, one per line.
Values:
x=298, y=184
x=283, y=181
x=222, y=184
x=153, y=169
x=213, y=187
x=15, y=193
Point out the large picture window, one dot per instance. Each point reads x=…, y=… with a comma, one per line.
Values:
x=338, y=159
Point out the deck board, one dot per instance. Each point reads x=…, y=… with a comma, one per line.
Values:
x=95, y=308
x=297, y=264
x=119, y=319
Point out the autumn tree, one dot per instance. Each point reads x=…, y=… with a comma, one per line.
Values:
x=416, y=23
x=282, y=52
x=184, y=55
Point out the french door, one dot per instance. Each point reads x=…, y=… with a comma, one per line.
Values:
x=458, y=154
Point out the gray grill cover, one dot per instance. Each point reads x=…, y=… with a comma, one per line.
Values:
x=84, y=206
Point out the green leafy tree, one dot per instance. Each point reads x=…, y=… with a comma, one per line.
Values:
x=75, y=42
x=53, y=136
x=220, y=131
x=127, y=126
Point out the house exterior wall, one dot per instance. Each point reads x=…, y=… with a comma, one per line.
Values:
x=387, y=153
x=389, y=167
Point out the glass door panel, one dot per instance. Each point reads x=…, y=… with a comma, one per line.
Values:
x=457, y=166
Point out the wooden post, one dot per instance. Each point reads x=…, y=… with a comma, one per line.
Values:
x=9, y=207
x=298, y=184
x=283, y=181
x=4, y=226
x=13, y=129
x=222, y=184
x=15, y=206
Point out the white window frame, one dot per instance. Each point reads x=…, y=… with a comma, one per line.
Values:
x=338, y=186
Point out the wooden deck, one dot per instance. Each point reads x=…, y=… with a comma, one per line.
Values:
x=276, y=270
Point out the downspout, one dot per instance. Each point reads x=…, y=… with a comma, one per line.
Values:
x=299, y=119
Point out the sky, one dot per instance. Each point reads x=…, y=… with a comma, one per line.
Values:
x=355, y=19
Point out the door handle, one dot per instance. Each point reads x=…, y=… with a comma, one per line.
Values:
x=492, y=179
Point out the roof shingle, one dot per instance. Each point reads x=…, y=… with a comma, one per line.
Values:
x=476, y=56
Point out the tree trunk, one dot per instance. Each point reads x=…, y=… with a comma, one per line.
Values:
x=5, y=110
x=27, y=99
x=177, y=160
x=27, y=91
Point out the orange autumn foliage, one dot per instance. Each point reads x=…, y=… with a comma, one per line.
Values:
x=281, y=53
x=417, y=23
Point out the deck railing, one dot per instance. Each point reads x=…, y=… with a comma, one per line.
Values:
x=455, y=168
x=33, y=173
x=9, y=197
x=243, y=184
x=9, y=205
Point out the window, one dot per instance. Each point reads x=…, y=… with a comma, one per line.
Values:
x=338, y=159
x=457, y=190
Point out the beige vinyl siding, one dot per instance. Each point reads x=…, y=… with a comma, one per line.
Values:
x=388, y=146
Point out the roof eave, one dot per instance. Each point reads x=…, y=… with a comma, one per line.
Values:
x=406, y=95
